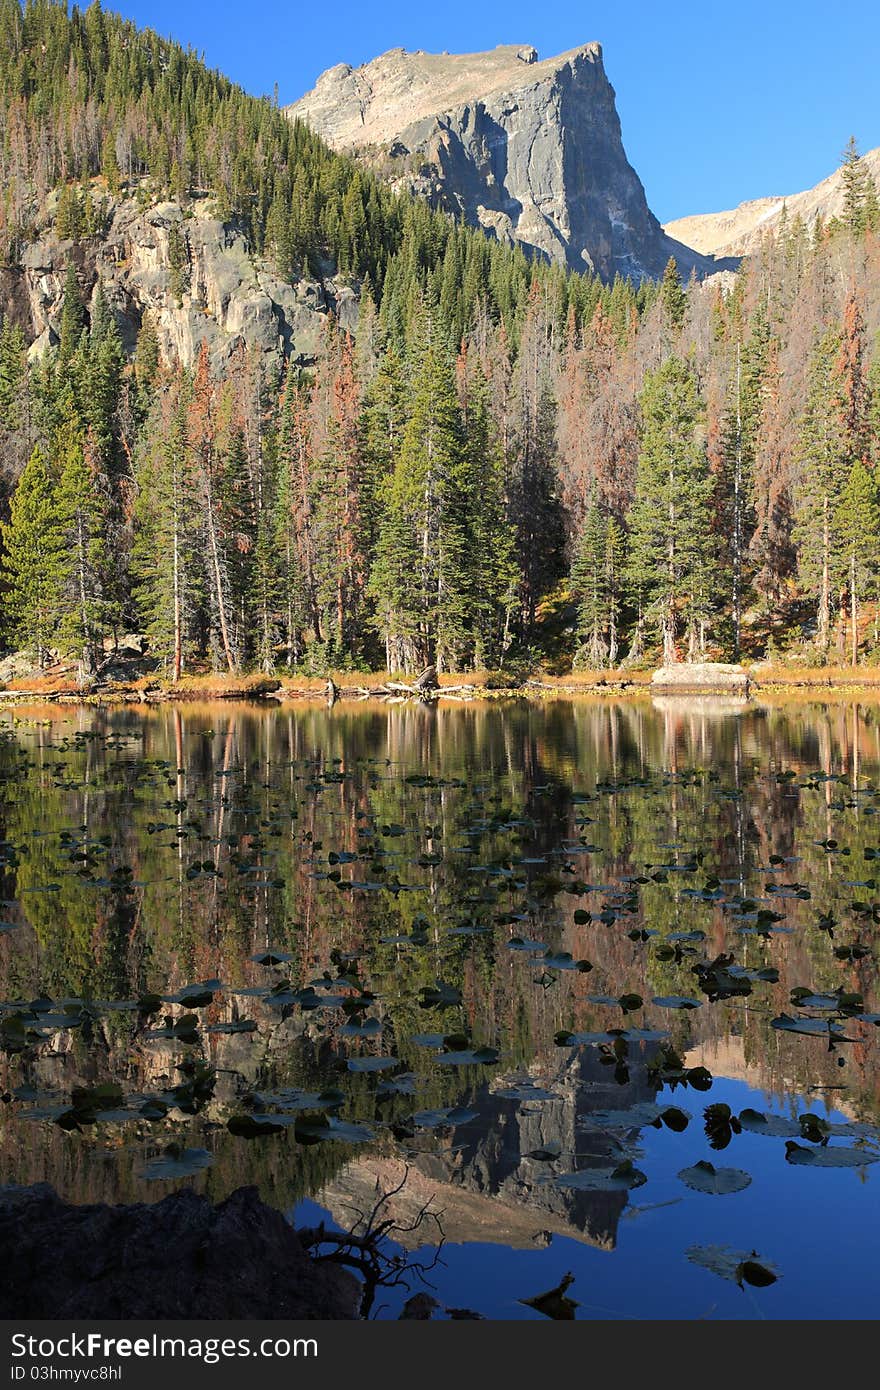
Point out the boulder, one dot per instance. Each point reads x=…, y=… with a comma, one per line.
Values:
x=182, y=1257
x=18, y=665
x=702, y=678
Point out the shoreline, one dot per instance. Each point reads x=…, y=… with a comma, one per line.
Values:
x=863, y=682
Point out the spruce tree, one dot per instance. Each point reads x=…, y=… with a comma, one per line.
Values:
x=832, y=436
x=857, y=527
x=670, y=555
x=419, y=579
x=83, y=506
x=35, y=560
x=109, y=164
x=739, y=433
x=589, y=586
x=72, y=316
x=491, y=564
x=14, y=401
x=672, y=295
x=856, y=193
x=13, y=376
x=165, y=558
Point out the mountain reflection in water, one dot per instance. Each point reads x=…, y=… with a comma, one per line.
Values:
x=328, y=895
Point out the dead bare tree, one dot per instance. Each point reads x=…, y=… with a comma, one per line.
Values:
x=368, y=1249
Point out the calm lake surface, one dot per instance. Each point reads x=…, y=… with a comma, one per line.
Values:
x=362, y=936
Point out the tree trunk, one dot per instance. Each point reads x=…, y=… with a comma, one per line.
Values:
x=87, y=662
x=737, y=513
x=612, y=636
x=218, y=589
x=853, y=608
x=824, y=592
x=669, y=635
x=178, y=624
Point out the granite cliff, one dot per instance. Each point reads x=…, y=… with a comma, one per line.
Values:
x=529, y=150
x=196, y=277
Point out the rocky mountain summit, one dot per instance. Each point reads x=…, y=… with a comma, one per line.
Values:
x=529, y=150
x=739, y=230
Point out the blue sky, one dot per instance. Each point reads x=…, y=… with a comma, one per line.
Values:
x=717, y=103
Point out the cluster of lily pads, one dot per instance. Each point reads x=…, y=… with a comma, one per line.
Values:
x=513, y=900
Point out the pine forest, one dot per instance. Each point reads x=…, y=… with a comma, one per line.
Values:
x=507, y=467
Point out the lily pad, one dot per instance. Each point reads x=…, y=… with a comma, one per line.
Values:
x=618, y=1179
x=526, y=1090
x=480, y=1056
x=645, y=1113
x=372, y=1063
x=256, y=1126
x=555, y=1303
x=705, y=1177
x=176, y=1162
x=676, y=1001
x=439, y=995
x=438, y=1119
x=739, y=1266
x=562, y=960
x=828, y=1157
x=402, y=1085
x=811, y=1027
x=370, y=1028
x=774, y=1126
x=322, y=1129
x=548, y=1153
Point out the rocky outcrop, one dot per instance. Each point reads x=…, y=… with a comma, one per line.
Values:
x=529, y=150
x=739, y=231
x=193, y=274
x=182, y=1258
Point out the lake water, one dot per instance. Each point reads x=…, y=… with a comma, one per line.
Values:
x=388, y=913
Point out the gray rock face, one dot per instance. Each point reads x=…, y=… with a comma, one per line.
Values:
x=530, y=151
x=181, y=1258
x=217, y=290
x=484, y=1178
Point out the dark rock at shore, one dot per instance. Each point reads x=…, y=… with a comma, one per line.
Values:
x=180, y=1258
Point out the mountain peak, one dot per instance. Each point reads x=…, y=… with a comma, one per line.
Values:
x=371, y=104
x=528, y=148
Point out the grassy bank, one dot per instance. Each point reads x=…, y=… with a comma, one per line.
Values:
x=62, y=687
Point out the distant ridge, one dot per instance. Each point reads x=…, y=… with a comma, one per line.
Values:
x=738, y=231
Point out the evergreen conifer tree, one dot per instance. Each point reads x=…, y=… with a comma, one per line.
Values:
x=419, y=580
x=35, y=560
x=857, y=526
x=672, y=295
x=165, y=556
x=670, y=552
x=82, y=504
